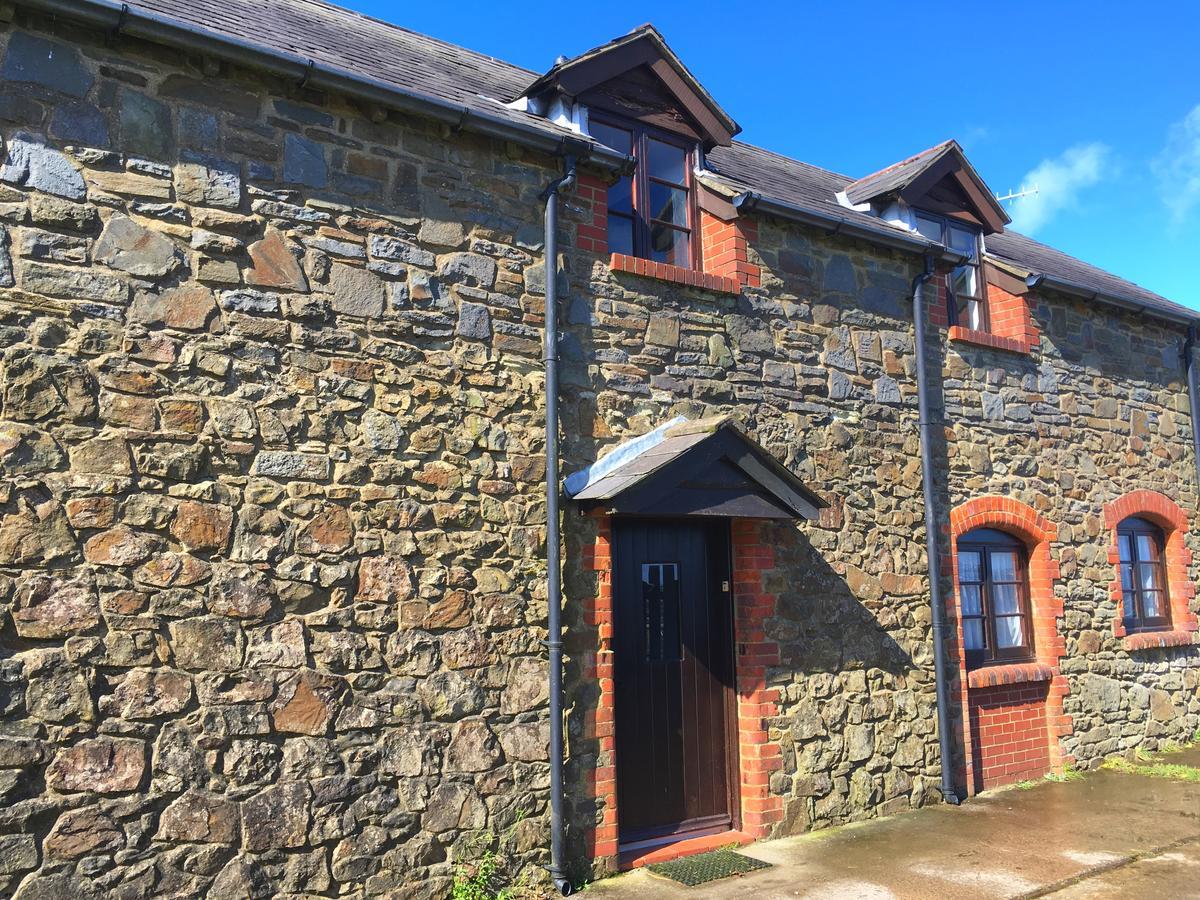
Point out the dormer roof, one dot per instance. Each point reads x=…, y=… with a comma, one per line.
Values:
x=642, y=52
x=940, y=179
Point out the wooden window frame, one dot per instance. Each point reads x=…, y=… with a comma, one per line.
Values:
x=985, y=317
x=1131, y=527
x=985, y=541
x=641, y=179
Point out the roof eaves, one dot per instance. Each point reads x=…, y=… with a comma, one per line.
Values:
x=884, y=235
x=1178, y=314
x=537, y=134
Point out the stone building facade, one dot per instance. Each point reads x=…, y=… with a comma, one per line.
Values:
x=272, y=505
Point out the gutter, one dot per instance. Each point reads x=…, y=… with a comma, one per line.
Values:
x=554, y=642
x=122, y=18
x=1193, y=387
x=750, y=201
x=1037, y=280
x=941, y=671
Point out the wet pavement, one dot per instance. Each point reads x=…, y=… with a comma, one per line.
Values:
x=1106, y=835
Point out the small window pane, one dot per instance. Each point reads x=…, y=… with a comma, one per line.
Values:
x=969, y=596
x=1151, y=579
x=1152, y=604
x=668, y=204
x=1010, y=632
x=620, y=235
x=667, y=162
x=1004, y=565
x=930, y=228
x=669, y=245
x=1125, y=546
x=966, y=282
x=975, y=315
x=973, y=634
x=963, y=241
x=1147, y=548
x=969, y=568
x=617, y=138
x=620, y=197
x=1005, y=599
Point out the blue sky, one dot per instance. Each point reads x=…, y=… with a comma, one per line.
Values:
x=1097, y=102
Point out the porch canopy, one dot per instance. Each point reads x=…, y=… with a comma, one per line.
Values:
x=706, y=467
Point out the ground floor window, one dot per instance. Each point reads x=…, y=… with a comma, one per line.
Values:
x=993, y=588
x=1140, y=545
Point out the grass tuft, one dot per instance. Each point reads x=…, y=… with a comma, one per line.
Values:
x=1172, y=771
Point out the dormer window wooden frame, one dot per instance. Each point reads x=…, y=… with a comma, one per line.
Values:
x=652, y=214
x=966, y=287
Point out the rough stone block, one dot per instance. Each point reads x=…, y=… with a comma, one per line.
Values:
x=145, y=125
x=304, y=162
x=51, y=606
x=79, y=123
x=285, y=465
x=133, y=248
x=273, y=264
x=102, y=765
x=189, y=307
x=208, y=181
x=34, y=165
x=48, y=63
x=356, y=291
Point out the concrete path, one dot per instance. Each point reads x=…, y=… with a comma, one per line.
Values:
x=1109, y=834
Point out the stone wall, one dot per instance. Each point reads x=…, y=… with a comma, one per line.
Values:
x=1098, y=411
x=271, y=516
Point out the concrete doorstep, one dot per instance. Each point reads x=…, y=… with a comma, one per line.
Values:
x=1131, y=830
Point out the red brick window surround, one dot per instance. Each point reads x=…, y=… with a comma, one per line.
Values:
x=1012, y=714
x=723, y=266
x=1164, y=512
x=758, y=757
x=1011, y=324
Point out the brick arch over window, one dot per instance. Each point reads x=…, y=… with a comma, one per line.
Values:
x=1173, y=520
x=1013, y=719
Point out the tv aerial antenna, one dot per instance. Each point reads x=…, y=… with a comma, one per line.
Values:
x=1017, y=195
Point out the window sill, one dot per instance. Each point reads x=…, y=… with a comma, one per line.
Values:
x=963, y=335
x=1151, y=640
x=621, y=262
x=1012, y=673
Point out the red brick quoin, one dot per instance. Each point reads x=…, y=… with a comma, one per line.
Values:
x=753, y=557
x=1173, y=520
x=1013, y=714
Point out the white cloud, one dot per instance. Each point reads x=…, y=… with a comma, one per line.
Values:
x=1177, y=166
x=1060, y=180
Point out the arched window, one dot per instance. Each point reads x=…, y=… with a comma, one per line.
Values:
x=993, y=590
x=1141, y=544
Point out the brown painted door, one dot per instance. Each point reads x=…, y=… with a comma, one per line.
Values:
x=674, y=678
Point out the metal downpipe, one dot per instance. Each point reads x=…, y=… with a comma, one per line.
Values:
x=553, y=537
x=938, y=608
x=1193, y=383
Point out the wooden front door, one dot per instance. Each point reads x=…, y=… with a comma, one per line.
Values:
x=673, y=646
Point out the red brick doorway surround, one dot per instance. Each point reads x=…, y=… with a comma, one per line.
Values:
x=753, y=559
x=1013, y=719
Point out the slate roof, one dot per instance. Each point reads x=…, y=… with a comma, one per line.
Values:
x=378, y=51
x=896, y=176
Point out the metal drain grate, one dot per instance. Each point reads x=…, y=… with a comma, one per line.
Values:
x=706, y=867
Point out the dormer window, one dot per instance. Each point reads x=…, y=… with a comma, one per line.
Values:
x=650, y=213
x=965, y=290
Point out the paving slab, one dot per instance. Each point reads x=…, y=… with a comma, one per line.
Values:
x=1007, y=844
